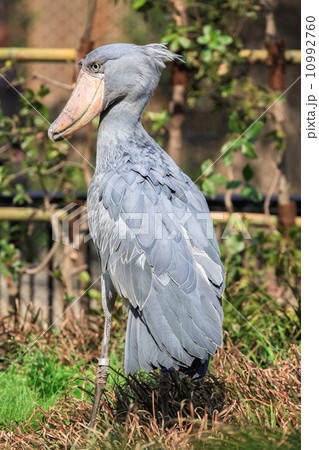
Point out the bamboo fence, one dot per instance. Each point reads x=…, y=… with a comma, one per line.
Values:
x=21, y=54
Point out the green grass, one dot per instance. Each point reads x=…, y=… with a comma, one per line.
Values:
x=48, y=383
x=40, y=377
x=249, y=438
x=17, y=399
x=37, y=379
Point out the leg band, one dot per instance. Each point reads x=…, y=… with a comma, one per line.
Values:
x=103, y=362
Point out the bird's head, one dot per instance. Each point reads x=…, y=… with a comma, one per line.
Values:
x=108, y=75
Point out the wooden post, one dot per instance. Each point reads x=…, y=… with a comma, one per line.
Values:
x=86, y=43
x=177, y=112
x=179, y=82
x=276, y=64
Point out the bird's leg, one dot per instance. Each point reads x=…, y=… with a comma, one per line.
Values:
x=108, y=299
x=164, y=388
x=101, y=373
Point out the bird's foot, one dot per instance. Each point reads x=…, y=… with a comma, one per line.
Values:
x=100, y=382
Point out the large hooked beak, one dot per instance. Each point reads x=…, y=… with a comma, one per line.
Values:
x=85, y=103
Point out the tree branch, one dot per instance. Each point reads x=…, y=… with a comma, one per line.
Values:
x=41, y=266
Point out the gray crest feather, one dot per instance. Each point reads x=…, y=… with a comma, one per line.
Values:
x=162, y=54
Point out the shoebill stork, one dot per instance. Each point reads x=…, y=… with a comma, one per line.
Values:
x=150, y=224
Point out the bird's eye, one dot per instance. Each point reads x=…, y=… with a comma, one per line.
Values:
x=95, y=66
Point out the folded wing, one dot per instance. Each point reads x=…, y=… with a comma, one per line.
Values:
x=155, y=237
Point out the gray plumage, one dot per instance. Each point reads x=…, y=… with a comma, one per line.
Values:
x=151, y=226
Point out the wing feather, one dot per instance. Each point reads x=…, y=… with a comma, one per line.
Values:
x=148, y=227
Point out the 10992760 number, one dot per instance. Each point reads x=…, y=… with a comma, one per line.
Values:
x=310, y=47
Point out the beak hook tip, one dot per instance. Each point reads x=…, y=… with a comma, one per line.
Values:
x=51, y=133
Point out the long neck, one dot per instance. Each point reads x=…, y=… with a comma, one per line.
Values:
x=120, y=124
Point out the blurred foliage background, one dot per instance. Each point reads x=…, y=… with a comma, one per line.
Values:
x=211, y=114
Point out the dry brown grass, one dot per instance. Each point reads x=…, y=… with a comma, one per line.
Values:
x=238, y=405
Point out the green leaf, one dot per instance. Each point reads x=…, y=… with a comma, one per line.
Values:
x=231, y=145
x=234, y=123
x=93, y=293
x=248, y=172
x=207, y=167
x=57, y=273
x=206, y=55
x=25, y=111
x=246, y=191
x=184, y=41
x=174, y=46
x=139, y=4
x=39, y=121
x=203, y=40
x=168, y=37
x=251, y=192
x=69, y=298
x=219, y=179
x=43, y=91
x=209, y=188
x=53, y=154
x=225, y=147
x=233, y=184
x=227, y=158
x=84, y=276
x=254, y=129
x=207, y=30
x=19, y=188
x=225, y=40
x=234, y=245
x=214, y=35
x=248, y=149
